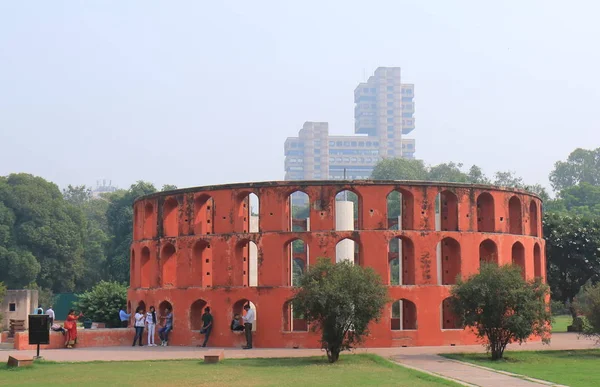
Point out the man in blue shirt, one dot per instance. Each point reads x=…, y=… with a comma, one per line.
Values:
x=124, y=317
x=163, y=332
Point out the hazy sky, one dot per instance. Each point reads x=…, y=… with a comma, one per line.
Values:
x=197, y=92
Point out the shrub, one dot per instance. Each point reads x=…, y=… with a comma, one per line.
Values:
x=103, y=302
x=590, y=308
x=341, y=300
x=502, y=307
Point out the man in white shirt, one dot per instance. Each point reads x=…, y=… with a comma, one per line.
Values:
x=248, y=321
x=51, y=316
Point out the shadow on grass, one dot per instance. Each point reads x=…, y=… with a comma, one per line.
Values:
x=515, y=357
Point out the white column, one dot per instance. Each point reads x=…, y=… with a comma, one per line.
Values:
x=344, y=221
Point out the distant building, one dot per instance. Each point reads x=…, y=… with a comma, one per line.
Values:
x=384, y=112
x=103, y=187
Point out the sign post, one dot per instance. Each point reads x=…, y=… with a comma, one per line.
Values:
x=39, y=331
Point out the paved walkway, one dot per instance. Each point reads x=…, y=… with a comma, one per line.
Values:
x=422, y=358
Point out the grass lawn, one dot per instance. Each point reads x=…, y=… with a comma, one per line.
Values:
x=579, y=368
x=560, y=323
x=363, y=369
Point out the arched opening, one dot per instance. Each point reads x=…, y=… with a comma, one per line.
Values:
x=400, y=210
x=141, y=305
x=518, y=257
x=485, y=213
x=200, y=263
x=196, y=311
x=170, y=217
x=401, y=261
x=132, y=273
x=297, y=258
x=404, y=315
x=146, y=270
x=249, y=252
x=293, y=319
x=448, y=211
x=169, y=265
x=203, y=215
x=299, y=203
x=449, y=261
x=347, y=210
x=515, y=218
x=347, y=250
x=449, y=319
x=488, y=252
x=148, y=224
x=537, y=261
x=533, y=219
x=238, y=308
x=250, y=212
x=162, y=310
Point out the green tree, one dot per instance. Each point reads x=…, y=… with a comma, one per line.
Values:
x=582, y=199
x=501, y=307
x=399, y=169
x=449, y=172
x=476, y=176
x=168, y=187
x=341, y=299
x=508, y=179
x=572, y=253
x=589, y=307
x=582, y=166
x=2, y=294
x=103, y=302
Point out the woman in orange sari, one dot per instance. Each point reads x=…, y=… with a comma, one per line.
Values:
x=71, y=329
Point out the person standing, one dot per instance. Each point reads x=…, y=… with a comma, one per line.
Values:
x=71, y=328
x=151, y=325
x=249, y=318
x=51, y=315
x=139, y=323
x=124, y=317
x=207, y=324
x=163, y=332
x=39, y=310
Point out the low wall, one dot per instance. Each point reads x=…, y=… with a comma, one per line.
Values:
x=3, y=337
x=85, y=338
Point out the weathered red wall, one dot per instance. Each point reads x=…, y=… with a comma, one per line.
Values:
x=85, y=338
x=206, y=230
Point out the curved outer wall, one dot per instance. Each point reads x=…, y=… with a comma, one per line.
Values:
x=190, y=250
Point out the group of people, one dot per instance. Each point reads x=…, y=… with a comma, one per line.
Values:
x=69, y=329
x=149, y=320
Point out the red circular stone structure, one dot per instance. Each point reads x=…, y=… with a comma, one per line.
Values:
x=202, y=247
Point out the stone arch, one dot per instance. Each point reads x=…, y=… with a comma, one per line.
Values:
x=141, y=304
x=148, y=224
x=196, y=311
x=485, y=213
x=488, y=252
x=162, y=308
x=449, y=262
x=296, y=252
x=299, y=211
x=200, y=262
x=400, y=205
x=146, y=280
x=537, y=261
x=403, y=315
x=448, y=211
x=168, y=258
x=293, y=320
x=170, y=209
x=347, y=210
x=347, y=250
x=250, y=212
x=515, y=217
x=401, y=261
x=238, y=308
x=249, y=253
x=449, y=319
x=533, y=218
x=518, y=257
x=203, y=215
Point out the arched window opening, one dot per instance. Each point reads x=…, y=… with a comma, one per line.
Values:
x=515, y=218
x=201, y=263
x=165, y=308
x=249, y=252
x=149, y=225
x=168, y=259
x=146, y=269
x=404, y=315
x=533, y=219
x=293, y=319
x=299, y=212
x=449, y=319
x=449, y=261
x=485, y=213
x=401, y=261
x=133, y=275
x=297, y=258
x=196, y=311
x=141, y=305
x=170, y=217
x=488, y=252
x=251, y=213
x=347, y=210
x=448, y=211
x=203, y=215
x=518, y=257
x=400, y=210
x=347, y=250
x=537, y=261
x=238, y=308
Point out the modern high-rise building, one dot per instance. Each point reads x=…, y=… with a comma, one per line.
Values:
x=384, y=113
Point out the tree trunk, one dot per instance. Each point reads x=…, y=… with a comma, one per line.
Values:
x=333, y=354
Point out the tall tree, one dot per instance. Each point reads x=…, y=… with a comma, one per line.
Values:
x=582, y=166
x=508, y=179
x=450, y=172
x=400, y=169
